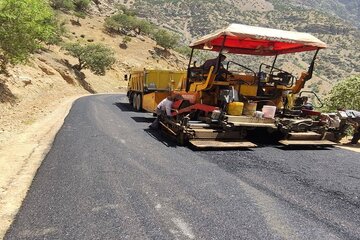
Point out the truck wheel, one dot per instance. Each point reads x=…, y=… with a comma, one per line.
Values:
x=130, y=97
x=139, y=102
x=134, y=101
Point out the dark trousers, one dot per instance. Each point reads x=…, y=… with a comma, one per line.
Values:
x=155, y=124
x=356, y=136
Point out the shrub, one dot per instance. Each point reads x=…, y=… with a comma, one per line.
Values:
x=143, y=26
x=126, y=40
x=81, y=5
x=165, y=39
x=111, y=25
x=344, y=94
x=79, y=15
x=184, y=50
x=63, y=4
x=125, y=10
x=127, y=21
x=120, y=22
x=68, y=5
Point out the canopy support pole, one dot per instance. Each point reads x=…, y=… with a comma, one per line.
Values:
x=187, y=87
x=311, y=67
x=273, y=64
x=220, y=52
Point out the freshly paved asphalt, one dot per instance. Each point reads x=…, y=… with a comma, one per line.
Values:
x=108, y=177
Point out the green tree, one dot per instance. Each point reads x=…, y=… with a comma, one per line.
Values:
x=184, y=50
x=125, y=22
x=81, y=5
x=166, y=39
x=344, y=94
x=128, y=22
x=120, y=22
x=63, y=4
x=111, y=25
x=24, y=26
x=125, y=10
x=143, y=26
x=95, y=57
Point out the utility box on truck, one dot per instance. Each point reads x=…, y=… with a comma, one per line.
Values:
x=147, y=88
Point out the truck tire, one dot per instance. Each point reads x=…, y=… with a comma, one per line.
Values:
x=139, y=102
x=130, y=97
x=134, y=101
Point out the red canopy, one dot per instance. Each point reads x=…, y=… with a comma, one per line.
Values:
x=243, y=39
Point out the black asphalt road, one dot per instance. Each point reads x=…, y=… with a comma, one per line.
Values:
x=108, y=177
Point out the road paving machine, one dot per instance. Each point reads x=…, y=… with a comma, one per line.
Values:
x=225, y=104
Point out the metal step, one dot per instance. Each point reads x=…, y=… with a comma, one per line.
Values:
x=304, y=136
x=221, y=144
x=198, y=125
x=254, y=124
x=247, y=119
x=307, y=142
x=203, y=133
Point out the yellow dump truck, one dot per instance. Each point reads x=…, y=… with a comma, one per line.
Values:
x=146, y=88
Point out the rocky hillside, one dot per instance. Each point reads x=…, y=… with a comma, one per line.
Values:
x=346, y=9
x=30, y=90
x=331, y=21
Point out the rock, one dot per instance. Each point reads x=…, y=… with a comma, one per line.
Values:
x=66, y=76
x=46, y=69
x=131, y=34
x=75, y=23
x=141, y=38
x=27, y=82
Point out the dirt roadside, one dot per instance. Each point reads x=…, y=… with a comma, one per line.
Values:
x=21, y=156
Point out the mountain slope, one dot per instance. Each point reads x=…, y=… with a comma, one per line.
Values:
x=194, y=18
x=47, y=79
x=346, y=9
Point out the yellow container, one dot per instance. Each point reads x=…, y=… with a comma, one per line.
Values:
x=248, y=90
x=235, y=108
x=249, y=108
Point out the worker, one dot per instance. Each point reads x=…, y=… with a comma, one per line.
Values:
x=164, y=109
x=221, y=70
x=356, y=137
x=354, y=119
x=306, y=104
